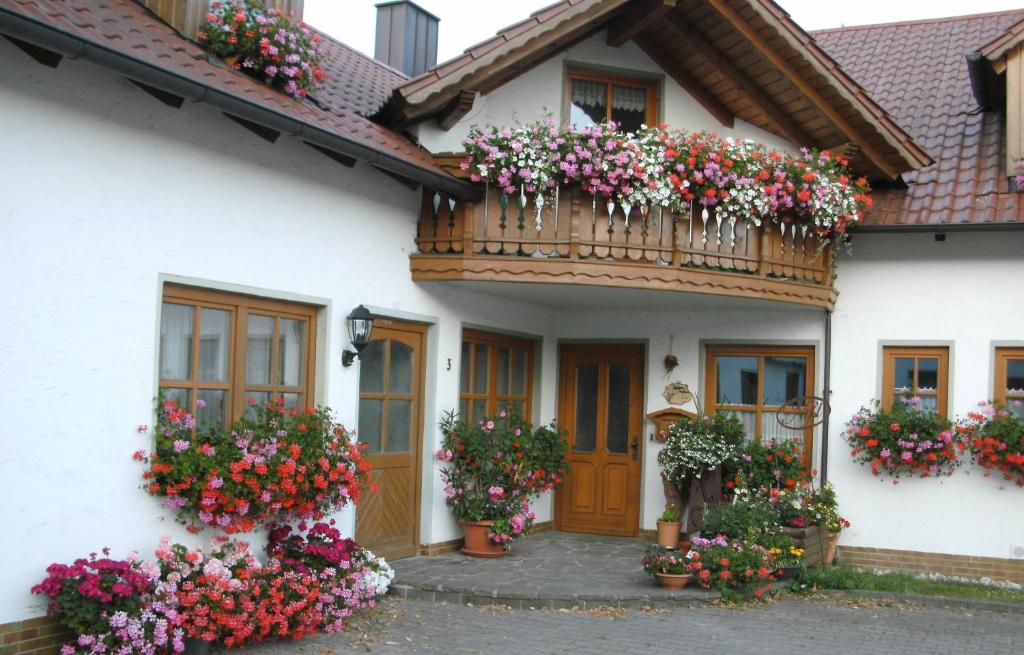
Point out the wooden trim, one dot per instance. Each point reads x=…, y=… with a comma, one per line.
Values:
x=239, y=307
x=711, y=406
x=693, y=86
x=456, y=109
x=650, y=87
x=802, y=84
x=1002, y=357
x=889, y=356
x=737, y=79
x=636, y=19
x=617, y=274
x=495, y=341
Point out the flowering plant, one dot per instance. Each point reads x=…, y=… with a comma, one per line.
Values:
x=659, y=559
x=275, y=463
x=731, y=566
x=112, y=606
x=996, y=438
x=904, y=440
x=765, y=465
x=740, y=179
x=83, y=594
x=266, y=42
x=491, y=470
x=698, y=446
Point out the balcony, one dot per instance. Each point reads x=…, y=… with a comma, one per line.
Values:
x=577, y=238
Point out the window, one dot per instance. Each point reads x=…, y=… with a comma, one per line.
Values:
x=496, y=373
x=246, y=348
x=766, y=388
x=1009, y=386
x=596, y=98
x=912, y=372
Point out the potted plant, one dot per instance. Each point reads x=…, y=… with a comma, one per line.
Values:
x=668, y=527
x=904, y=441
x=996, y=441
x=696, y=447
x=735, y=567
x=491, y=471
x=825, y=507
x=669, y=566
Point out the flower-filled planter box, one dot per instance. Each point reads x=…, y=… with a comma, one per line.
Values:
x=813, y=541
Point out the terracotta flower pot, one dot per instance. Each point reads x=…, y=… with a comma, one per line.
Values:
x=668, y=533
x=672, y=580
x=685, y=545
x=830, y=549
x=477, y=544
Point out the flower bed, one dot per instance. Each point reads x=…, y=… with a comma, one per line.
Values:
x=996, y=441
x=742, y=180
x=276, y=464
x=313, y=582
x=905, y=440
x=732, y=567
x=763, y=465
x=264, y=43
x=493, y=468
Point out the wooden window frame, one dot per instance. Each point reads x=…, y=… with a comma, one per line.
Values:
x=240, y=307
x=495, y=341
x=1002, y=355
x=712, y=352
x=889, y=356
x=649, y=85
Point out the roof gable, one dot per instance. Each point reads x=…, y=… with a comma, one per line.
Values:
x=742, y=58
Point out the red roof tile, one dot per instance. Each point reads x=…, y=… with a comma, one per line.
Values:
x=917, y=71
x=128, y=29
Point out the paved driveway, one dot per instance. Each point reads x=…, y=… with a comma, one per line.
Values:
x=826, y=627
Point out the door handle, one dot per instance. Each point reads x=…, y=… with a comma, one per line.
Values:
x=635, y=446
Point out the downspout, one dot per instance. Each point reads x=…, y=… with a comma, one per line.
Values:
x=826, y=392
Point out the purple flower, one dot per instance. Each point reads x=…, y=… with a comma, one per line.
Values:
x=180, y=445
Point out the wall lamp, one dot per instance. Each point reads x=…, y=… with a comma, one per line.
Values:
x=360, y=326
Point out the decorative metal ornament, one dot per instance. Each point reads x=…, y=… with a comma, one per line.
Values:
x=805, y=412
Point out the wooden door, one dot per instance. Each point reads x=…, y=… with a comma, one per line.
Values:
x=601, y=405
x=391, y=424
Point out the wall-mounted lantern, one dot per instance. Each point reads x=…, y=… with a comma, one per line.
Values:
x=360, y=325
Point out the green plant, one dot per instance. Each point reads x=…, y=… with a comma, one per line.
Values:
x=697, y=446
x=997, y=440
x=904, y=440
x=671, y=513
x=846, y=578
x=740, y=519
x=659, y=559
x=491, y=470
x=732, y=566
x=765, y=465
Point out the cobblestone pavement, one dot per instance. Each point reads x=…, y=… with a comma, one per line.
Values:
x=833, y=626
x=562, y=568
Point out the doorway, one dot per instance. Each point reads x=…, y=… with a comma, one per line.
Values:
x=601, y=405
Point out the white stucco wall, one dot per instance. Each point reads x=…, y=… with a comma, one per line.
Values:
x=105, y=190
x=967, y=293
x=540, y=91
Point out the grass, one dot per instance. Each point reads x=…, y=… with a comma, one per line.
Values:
x=847, y=578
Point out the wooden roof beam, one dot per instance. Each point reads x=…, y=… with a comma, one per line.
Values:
x=741, y=82
x=455, y=110
x=712, y=104
x=636, y=18
x=723, y=8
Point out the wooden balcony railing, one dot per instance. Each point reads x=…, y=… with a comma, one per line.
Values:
x=579, y=238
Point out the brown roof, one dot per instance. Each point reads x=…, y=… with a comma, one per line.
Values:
x=918, y=72
x=354, y=80
x=752, y=57
x=121, y=33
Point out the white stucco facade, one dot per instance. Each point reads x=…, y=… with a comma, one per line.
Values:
x=541, y=91
x=107, y=194
x=964, y=293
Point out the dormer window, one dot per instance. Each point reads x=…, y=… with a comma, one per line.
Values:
x=599, y=98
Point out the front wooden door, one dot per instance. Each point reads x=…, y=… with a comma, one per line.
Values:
x=601, y=405
x=391, y=424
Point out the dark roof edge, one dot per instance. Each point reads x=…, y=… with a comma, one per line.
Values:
x=78, y=48
x=936, y=227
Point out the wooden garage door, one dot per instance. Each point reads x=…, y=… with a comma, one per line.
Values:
x=391, y=424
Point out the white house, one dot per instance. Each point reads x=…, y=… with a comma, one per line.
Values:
x=149, y=192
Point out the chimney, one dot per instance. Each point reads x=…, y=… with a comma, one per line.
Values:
x=406, y=37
